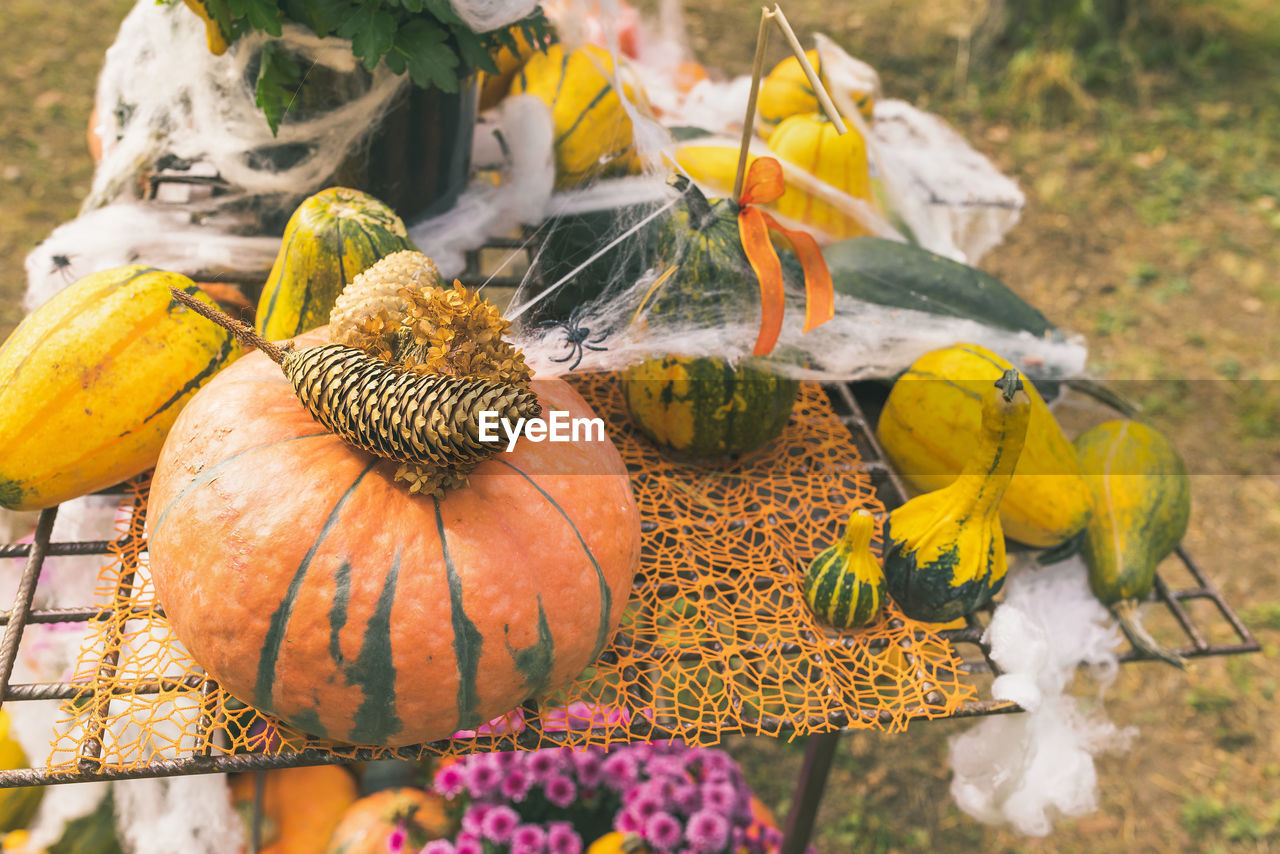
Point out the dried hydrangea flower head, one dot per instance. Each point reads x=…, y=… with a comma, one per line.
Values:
x=396, y=311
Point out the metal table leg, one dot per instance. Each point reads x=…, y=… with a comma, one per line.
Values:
x=818, y=754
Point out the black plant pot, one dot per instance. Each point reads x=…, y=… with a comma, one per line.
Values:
x=418, y=158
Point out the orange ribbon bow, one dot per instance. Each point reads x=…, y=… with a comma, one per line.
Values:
x=764, y=184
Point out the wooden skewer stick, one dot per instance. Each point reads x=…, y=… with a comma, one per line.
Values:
x=757, y=72
x=748, y=123
x=818, y=89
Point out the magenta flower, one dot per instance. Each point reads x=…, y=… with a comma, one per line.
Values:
x=563, y=839
x=543, y=763
x=529, y=838
x=449, y=781
x=482, y=778
x=515, y=785
x=662, y=831
x=499, y=823
x=620, y=771
x=473, y=818
x=587, y=764
x=720, y=797
x=687, y=798
x=579, y=717
x=439, y=846
x=397, y=838
x=511, y=722
x=561, y=791
x=468, y=843
x=707, y=831
x=627, y=822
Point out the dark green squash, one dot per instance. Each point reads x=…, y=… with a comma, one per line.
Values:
x=705, y=408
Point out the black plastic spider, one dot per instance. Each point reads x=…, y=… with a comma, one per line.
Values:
x=576, y=337
x=62, y=264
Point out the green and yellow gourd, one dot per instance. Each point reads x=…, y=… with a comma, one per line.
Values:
x=703, y=407
x=91, y=382
x=1142, y=499
x=844, y=584
x=931, y=423
x=944, y=550
x=331, y=238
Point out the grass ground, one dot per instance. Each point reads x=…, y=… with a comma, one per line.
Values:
x=1152, y=226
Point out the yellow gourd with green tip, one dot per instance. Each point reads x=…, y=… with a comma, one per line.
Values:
x=931, y=424
x=1142, y=499
x=944, y=550
x=845, y=584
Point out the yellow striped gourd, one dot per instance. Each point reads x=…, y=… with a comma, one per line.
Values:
x=812, y=143
x=593, y=133
x=931, y=424
x=331, y=238
x=844, y=584
x=944, y=551
x=91, y=382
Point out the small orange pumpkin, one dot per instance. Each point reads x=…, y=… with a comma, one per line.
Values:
x=300, y=806
x=312, y=585
x=367, y=824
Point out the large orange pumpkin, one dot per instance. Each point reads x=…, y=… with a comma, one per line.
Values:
x=311, y=585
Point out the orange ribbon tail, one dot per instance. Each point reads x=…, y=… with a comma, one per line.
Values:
x=764, y=183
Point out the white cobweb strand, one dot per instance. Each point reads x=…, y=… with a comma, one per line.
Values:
x=1030, y=769
x=484, y=209
x=162, y=93
x=485, y=15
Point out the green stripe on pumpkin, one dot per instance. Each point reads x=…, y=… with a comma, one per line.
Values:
x=536, y=661
x=374, y=670
x=264, y=686
x=467, y=640
x=338, y=611
x=606, y=595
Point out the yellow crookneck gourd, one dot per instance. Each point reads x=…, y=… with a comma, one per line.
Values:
x=845, y=584
x=944, y=552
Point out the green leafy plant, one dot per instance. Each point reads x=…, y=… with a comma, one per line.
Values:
x=422, y=38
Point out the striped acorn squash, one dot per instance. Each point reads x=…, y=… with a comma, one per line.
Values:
x=844, y=585
x=706, y=408
x=931, y=424
x=311, y=585
x=944, y=551
x=593, y=133
x=91, y=381
x=331, y=238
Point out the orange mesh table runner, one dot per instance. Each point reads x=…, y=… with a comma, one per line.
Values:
x=716, y=638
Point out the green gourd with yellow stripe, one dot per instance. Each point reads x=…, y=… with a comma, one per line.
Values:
x=845, y=585
x=91, y=382
x=1143, y=503
x=931, y=423
x=944, y=550
x=331, y=238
